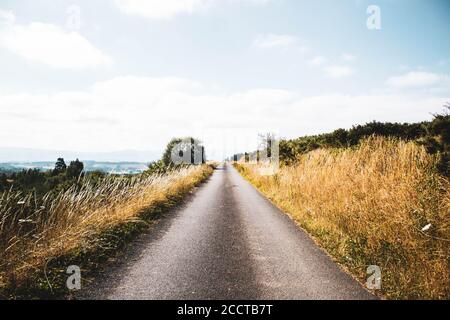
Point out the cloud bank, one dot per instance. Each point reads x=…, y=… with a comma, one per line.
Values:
x=49, y=44
x=416, y=79
x=167, y=9
x=143, y=113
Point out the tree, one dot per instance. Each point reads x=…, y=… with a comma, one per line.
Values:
x=3, y=182
x=75, y=169
x=265, y=144
x=60, y=166
x=184, y=146
x=167, y=156
x=438, y=139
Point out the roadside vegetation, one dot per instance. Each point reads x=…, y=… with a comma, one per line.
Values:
x=83, y=224
x=381, y=200
x=40, y=182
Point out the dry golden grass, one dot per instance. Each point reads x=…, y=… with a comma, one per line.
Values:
x=33, y=233
x=367, y=206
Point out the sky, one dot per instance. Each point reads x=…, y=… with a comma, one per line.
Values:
x=112, y=75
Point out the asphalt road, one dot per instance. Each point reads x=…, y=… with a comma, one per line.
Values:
x=226, y=242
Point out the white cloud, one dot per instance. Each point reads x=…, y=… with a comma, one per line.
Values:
x=275, y=40
x=167, y=9
x=279, y=41
x=160, y=9
x=337, y=72
x=143, y=113
x=318, y=61
x=331, y=70
x=49, y=44
x=6, y=18
x=348, y=57
x=416, y=79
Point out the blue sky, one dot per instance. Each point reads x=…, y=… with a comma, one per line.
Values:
x=109, y=75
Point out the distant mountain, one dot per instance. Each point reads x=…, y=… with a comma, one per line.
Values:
x=108, y=167
x=37, y=155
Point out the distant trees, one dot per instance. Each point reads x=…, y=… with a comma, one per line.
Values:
x=167, y=155
x=3, y=182
x=184, y=148
x=75, y=169
x=179, y=151
x=31, y=178
x=60, y=166
x=265, y=143
x=438, y=139
x=434, y=135
x=290, y=149
x=41, y=182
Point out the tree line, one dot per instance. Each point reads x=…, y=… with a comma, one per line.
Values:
x=64, y=176
x=60, y=178
x=434, y=135
x=188, y=148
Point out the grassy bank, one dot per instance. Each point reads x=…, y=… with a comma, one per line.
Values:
x=368, y=205
x=84, y=225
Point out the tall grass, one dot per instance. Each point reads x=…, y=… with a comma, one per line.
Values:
x=368, y=206
x=34, y=230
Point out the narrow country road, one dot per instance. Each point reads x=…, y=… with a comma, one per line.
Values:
x=226, y=242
